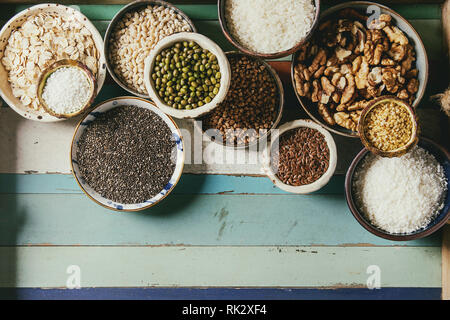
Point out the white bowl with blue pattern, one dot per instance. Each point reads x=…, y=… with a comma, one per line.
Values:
x=104, y=107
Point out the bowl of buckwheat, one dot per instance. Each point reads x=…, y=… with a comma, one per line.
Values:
x=301, y=157
x=36, y=38
x=131, y=35
x=252, y=107
x=355, y=58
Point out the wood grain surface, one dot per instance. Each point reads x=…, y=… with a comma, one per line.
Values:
x=224, y=226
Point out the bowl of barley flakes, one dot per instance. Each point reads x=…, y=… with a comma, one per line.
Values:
x=127, y=40
x=25, y=52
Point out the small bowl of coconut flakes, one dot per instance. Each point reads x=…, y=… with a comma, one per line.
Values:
x=66, y=89
x=402, y=198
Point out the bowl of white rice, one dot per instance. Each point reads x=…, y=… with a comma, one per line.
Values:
x=268, y=29
x=403, y=198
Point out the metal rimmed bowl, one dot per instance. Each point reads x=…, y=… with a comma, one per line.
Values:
x=441, y=155
x=16, y=22
x=132, y=7
x=67, y=63
x=308, y=188
x=421, y=62
x=231, y=38
x=279, y=85
x=363, y=123
x=203, y=42
x=104, y=107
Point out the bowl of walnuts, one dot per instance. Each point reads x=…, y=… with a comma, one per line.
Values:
x=362, y=51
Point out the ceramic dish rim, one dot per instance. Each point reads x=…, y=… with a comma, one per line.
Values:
x=351, y=4
x=205, y=43
x=349, y=197
x=275, y=55
x=101, y=74
x=315, y=185
x=180, y=168
x=67, y=63
x=279, y=84
x=109, y=30
x=396, y=152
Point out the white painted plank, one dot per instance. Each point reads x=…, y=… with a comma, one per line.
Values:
x=258, y=266
x=30, y=146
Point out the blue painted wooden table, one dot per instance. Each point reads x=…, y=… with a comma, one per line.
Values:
x=225, y=232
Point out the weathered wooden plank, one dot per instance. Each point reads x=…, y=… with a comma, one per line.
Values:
x=446, y=263
x=28, y=146
x=208, y=11
x=205, y=184
x=46, y=267
x=207, y=220
x=257, y=294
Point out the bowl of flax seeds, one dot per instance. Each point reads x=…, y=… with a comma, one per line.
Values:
x=301, y=157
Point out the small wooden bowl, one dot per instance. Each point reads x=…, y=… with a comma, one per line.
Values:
x=63, y=64
x=230, y=37
x=396, y=152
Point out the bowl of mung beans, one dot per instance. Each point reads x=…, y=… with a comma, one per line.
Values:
x=388, y=127
x=187, y=75
x=252, y=108
x=301, y=157
x=133, y=33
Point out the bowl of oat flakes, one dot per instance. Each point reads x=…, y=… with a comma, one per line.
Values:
x=36, y=38
x=133, y=33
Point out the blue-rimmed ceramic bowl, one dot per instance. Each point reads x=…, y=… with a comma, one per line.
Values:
x=106, y=106
x=442, y=156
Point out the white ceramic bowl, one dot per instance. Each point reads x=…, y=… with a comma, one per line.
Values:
x=308, y=188
x=106, y=106
x=17, y=21
x=203, y=42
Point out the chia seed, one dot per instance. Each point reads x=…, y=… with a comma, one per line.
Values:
x=127, y=154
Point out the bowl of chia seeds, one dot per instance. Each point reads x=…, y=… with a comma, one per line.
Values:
x=126, y=154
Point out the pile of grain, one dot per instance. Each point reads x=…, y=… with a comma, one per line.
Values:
x=400, y=195
x=267, y=26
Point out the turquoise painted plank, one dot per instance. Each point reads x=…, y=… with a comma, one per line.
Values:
x=179, y=266
x=204, y=184
x=206, y=220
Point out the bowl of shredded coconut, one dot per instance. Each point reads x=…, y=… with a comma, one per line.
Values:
x=402, y=198
x=66, y=89
x=268, y=29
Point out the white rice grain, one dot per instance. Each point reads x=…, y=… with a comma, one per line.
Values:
x=269, y=26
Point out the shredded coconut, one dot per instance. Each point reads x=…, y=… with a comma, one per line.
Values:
x=400, y=195
x=66, y=90
x=268, y=26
